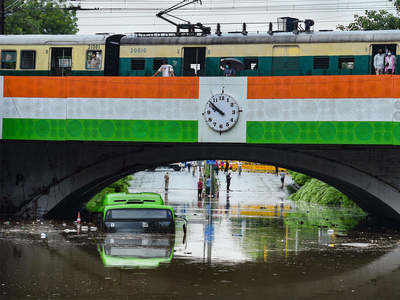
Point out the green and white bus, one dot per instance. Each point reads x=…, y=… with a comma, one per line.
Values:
x=136, y=212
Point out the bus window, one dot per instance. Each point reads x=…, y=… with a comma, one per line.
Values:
x=129, y=214
x=28, y=59
x=8, y=59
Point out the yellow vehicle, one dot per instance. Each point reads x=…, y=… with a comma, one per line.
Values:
x=250, y=167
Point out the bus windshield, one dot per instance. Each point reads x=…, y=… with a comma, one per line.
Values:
x=138, y=213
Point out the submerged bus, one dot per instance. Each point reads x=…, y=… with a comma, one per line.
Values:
x=136, y=212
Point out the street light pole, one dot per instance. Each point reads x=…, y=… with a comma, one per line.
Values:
x=211, y=182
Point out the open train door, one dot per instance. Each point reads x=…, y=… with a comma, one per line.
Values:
x=61, y=61
x=111, y=61
x=194, y=61
x=385, y=49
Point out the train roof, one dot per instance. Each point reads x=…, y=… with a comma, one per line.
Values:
x=376, y=36
x=61, y=39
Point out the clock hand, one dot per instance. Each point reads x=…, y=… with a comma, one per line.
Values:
x=216, y=108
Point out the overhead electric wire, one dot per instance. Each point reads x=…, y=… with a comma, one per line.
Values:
x=211, y=11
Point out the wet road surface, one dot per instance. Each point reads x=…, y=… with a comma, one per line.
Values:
x=250, y=243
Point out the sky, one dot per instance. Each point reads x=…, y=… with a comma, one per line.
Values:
x=129, y=16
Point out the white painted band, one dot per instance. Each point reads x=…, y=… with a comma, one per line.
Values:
x=286, y=110
x=363, y=109
x=113, y=109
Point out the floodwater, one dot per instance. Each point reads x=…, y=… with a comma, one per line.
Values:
x=250, y=243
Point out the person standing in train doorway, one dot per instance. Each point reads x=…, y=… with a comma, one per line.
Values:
x=379, y=62
x=390, y=63
x=166, y=69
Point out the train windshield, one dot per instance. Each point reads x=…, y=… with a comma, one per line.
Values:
x=138, y=213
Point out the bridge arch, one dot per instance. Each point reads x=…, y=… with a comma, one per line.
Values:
x=83, y=169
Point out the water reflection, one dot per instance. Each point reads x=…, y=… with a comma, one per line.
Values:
x=68, y=266
x=136, y=251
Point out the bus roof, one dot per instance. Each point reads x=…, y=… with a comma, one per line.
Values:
x=132, y=198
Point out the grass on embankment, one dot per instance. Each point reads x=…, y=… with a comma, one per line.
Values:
x=315, y=191
x=120, y=186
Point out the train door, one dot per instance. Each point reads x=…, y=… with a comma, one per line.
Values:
x=61, y=61
x=194, y=61
x=285, y=60
x=111, y=59
x=385, y=49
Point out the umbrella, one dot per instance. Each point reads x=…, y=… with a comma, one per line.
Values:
x=233, y=63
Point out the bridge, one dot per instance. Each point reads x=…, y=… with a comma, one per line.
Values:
x=62, y=139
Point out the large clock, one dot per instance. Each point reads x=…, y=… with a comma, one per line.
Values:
x=221, y=112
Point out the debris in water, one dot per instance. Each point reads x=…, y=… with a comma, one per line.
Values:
x=43, y=235
x=360, y=245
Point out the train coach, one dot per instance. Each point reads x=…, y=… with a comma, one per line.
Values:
x=279, y=54
x=274, y=54
x=52, y=55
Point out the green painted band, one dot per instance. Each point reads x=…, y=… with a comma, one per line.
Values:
x=100, y=130
x=371, y=133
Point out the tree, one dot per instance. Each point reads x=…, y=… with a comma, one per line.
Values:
x=40, y=17
x=375, y=20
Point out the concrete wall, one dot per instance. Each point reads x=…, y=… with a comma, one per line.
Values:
x=57, y=177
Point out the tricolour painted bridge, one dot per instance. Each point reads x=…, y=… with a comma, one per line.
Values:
x=65, y=138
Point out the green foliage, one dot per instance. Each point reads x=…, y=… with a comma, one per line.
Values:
x=311, y=216
x=120, y=186
x=375, y=20
x=318, y=192
x=299, y=178
x=40, y=17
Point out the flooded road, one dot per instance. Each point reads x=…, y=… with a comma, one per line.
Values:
x=249, y=243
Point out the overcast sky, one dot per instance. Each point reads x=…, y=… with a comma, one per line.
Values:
x=129, y=16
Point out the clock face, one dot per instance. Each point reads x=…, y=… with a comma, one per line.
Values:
x=221, y=112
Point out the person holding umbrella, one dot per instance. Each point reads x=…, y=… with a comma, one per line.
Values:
x=231, y=66
x=228, y=71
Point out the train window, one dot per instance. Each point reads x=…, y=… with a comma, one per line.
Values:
x=28, y=59
x=320, y=62
x=251, y=63
x=157, y=62
x=137, y=64
x=93, y=59
x=8, y=59
x=346, y=62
